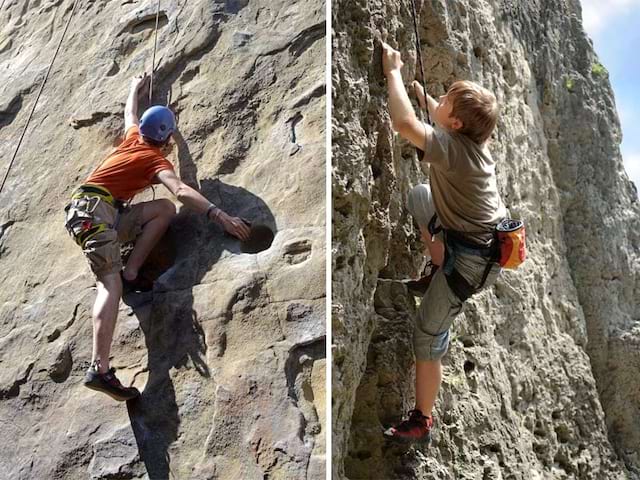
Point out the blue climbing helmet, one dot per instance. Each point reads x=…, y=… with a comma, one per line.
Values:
x=157, y=123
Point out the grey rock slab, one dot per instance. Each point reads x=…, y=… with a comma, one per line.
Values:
x=535, y=384
x=215, y=311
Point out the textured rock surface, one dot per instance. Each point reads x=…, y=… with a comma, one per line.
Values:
x=229, y=346
x=541, y=379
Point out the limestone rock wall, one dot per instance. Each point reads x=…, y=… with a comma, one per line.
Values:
x=541, y=377
x=228, y=348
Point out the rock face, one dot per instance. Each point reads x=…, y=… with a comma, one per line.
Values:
x=228, y=347
x=541, y=377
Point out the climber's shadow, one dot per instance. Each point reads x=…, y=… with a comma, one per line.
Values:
x=174, y=337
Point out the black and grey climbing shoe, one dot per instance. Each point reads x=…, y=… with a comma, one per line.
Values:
x=419, y=287
x=109, y=384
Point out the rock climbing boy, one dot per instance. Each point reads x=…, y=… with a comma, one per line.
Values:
x=461, y=202
x=99, y=219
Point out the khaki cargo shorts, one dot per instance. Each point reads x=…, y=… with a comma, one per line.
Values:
x=440, y=305
x=114, y=227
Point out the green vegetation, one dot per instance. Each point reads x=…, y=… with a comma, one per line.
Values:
x=598, y=70
x=568, y=83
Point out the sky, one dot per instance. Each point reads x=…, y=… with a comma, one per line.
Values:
x=614, y=27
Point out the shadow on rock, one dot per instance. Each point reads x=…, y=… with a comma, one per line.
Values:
x=173, y=334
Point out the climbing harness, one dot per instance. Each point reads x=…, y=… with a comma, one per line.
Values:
x=84, y=191
x=419, y=55
x=155, y=46
x=80, y=222
x=15, y=153
x=506, y=249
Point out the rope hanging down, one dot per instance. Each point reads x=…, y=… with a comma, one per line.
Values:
x=155, y=46
x=419, y=54
x=38, y=97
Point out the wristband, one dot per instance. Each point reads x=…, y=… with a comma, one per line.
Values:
x=212, y=207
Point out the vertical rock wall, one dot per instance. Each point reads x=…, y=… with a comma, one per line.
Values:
x=228, y=348
x=540, y=380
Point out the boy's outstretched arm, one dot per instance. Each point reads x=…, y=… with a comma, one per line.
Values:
x=138, y=85
x=198, y=203
x=403, y=117
x=432, y=103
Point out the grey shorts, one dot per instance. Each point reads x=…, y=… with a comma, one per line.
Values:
x=440, y=305
x=102, y=250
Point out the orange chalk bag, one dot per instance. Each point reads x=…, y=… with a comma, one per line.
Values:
x=511, y=243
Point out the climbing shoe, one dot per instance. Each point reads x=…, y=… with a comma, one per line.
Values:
x=416, y=429
x=109, y=384
x=420, y=286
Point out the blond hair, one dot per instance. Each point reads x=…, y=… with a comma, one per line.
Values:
x=477, y=109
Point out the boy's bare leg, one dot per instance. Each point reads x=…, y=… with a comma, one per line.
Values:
x=429, y=373
x=156, y=216
x=434, y=247
x=428, y=379
x=105, y=314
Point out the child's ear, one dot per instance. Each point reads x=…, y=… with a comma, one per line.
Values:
x=456, y=124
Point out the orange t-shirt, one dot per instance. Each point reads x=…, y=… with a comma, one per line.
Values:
x=131, y=167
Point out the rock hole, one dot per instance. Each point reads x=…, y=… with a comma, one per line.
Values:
x=240, y=39
x=297, y=252
x=539, y=430
x=61, y=368
x=260, y=239
x=469, y=366
x=467, y=342
x=563, y=433
x=362, y=455
x=53, y=335
x=189, y=75
x=113, y=69
x=234, y=6
x=149, y=22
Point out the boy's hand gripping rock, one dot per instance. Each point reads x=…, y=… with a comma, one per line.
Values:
x=140, y=84
x=391, y=60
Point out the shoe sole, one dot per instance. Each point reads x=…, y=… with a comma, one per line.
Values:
x=408, y=441
x=115, y=396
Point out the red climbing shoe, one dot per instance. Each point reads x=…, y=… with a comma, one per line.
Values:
x=416, y=429
x=420, y=286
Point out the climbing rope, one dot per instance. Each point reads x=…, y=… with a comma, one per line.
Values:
x=419, y=54
x=15, y=153
x=155, y=46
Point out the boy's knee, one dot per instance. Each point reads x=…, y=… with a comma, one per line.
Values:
x=168, y=208
x=111, y=282
x=430, y=347
x=420, y=204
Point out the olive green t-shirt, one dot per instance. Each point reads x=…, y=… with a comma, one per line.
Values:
x=463, y=184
